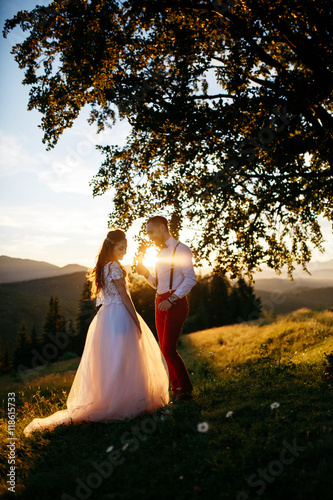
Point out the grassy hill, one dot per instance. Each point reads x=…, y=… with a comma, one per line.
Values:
x=249, y=449
x=28, y=301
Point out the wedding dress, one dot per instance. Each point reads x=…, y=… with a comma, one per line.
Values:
x=120, y=375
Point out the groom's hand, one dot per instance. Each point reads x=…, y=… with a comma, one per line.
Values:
x=164, y=305
x=141, y=269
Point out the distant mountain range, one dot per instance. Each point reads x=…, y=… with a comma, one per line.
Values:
x=13, y=269
x=26, y=286
x=321, y=274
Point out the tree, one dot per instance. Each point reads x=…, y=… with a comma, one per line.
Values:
x=215, y=302
x=243, y=303
x=34, y=340
x=5, y=361
x=143, y=296
x=199, y=298
x=87, y=311
x=54, y=320
x=230, y=105
x=219, y=289
x=22, y=353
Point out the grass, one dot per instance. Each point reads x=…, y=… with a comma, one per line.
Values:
x=257, y=452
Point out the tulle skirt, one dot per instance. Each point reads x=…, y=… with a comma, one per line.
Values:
x=119, y=376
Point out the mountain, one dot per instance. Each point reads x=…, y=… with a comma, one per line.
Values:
x=320, y=273
x=13, y=269
x=283, y=302
x=280, y=295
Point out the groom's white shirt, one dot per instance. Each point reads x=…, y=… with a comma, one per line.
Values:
x=183, y=272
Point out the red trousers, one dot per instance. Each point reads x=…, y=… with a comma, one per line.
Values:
x=169, y=325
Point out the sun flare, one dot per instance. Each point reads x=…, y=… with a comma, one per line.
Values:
x=150, y=257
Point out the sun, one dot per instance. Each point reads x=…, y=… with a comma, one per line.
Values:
x=150, y=257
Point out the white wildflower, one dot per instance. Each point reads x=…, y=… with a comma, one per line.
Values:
x=203, y=427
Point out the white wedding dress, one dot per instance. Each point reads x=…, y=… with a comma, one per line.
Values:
x=119, y=376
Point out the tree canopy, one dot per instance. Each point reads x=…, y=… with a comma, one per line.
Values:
x=230, y=107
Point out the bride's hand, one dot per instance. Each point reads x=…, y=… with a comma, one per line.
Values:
x=141, y=269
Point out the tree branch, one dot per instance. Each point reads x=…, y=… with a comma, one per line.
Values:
x=216, y=96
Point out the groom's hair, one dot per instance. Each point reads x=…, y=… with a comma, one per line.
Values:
x=158, y=219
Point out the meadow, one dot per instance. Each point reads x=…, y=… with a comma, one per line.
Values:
x=259, y=426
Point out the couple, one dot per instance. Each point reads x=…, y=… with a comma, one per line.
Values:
x=123, y=372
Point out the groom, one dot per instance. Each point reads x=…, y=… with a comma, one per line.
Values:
x=174, y=278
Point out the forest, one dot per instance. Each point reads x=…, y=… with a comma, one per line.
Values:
x=214, y=302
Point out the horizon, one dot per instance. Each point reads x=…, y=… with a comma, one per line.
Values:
x=265, y=273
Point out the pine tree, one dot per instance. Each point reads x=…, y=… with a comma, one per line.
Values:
x=22, y=352
x=34, y=340
x=199, y=318
x=54, y=320
x=218, y=300
x=215, y=302
x=5, y=363
x=87, y=311
x=243, y=302
x=71, y=333
x=143, y=296
x=55, y=338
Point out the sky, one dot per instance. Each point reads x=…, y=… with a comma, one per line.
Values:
x=47, y=211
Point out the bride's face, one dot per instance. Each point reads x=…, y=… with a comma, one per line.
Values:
x=119, y=250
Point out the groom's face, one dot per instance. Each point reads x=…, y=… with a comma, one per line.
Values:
x=156, y=233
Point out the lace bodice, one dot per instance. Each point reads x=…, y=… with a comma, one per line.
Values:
x=109, y=294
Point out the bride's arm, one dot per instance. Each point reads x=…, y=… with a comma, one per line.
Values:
x=127, y=300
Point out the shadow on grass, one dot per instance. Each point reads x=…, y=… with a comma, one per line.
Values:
x=254, y=452
x=153, y=455
x=271, y=433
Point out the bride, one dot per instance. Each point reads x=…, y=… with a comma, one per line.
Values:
x=122, y=372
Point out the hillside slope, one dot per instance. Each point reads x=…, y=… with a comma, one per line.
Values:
x=67, y=287
x=260, y=424
x=28, y=301
x=301, y=336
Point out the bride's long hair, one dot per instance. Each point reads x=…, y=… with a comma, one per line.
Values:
x=105, y=255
